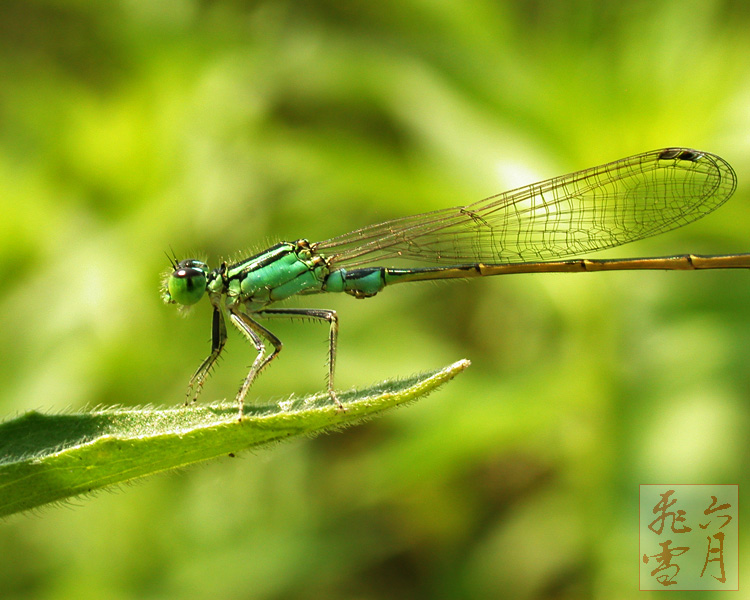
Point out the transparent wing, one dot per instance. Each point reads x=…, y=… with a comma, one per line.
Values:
x=601, y=207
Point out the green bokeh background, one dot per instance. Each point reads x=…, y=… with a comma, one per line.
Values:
x=217, y=128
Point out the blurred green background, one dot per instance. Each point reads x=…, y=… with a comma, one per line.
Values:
x=216, y=128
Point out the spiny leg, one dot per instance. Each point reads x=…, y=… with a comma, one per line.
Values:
x=255, y=332
x=218, y=339
x=333, y=333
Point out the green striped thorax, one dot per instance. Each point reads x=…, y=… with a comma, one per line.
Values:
x=284, y=270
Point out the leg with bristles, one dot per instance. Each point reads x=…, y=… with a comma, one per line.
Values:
x=254, y=332
x=320, y=314
x=218, y=339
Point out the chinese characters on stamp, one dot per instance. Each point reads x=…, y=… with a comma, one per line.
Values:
x=689, y=537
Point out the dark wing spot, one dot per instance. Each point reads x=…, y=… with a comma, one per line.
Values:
x=680, y=154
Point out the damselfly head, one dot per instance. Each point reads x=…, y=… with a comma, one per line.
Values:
x=187, y=283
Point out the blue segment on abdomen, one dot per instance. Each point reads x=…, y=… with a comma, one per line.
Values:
x=361, y=283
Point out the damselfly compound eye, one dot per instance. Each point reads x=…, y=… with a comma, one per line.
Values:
x=187, y=283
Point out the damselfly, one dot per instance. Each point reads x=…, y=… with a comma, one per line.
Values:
x=525, y=230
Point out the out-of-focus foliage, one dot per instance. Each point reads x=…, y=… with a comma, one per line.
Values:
x=216, y=128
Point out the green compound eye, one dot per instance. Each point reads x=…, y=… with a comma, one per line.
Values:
x=187, y=283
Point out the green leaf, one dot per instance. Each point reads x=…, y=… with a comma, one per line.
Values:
x=48, y=458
